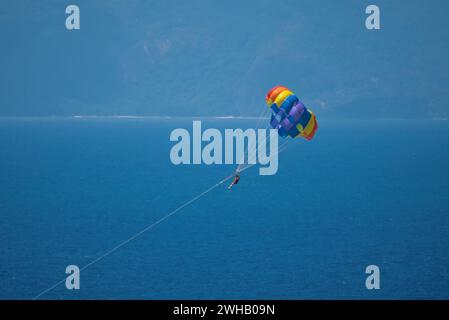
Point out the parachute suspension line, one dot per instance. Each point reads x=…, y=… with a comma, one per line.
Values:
x=280, y=150
x=250, y=152
x=284, y=145
x=123, y=243
x=253, y=151
x=262, y=116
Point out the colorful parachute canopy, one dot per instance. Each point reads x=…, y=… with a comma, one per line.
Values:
x=290, y=116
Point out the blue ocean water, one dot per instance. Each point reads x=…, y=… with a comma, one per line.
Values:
x=360, y=193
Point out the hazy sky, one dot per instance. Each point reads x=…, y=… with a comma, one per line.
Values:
x=216, y=57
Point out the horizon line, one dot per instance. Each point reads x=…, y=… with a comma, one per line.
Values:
x=167, y=117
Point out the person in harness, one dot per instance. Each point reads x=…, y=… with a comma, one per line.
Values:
x=235, y=181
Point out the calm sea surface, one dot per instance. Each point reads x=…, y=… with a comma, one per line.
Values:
x=360, y=193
